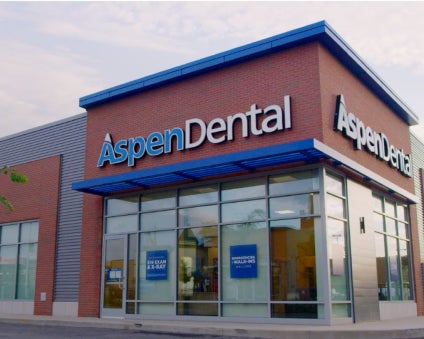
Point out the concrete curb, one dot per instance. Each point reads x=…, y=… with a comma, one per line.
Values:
x=398, y=329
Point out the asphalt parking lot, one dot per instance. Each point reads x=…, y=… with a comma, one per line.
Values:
x=26, y=331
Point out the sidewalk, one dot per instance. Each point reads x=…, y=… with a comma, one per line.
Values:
x=390, y=329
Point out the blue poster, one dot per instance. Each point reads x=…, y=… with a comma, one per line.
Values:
x=114, y=274
x=157, y=265
x=243, y=261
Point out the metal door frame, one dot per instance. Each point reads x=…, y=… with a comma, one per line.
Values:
x=114, y=312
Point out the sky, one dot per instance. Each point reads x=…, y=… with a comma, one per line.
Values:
x=53, y=53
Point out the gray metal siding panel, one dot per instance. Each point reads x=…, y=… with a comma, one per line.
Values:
x=364, y=271
x=67, y=138
x=417, y=149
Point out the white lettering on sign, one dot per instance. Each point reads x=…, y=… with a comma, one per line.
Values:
x=246, y=259
x=364, y=137
x=255, y=121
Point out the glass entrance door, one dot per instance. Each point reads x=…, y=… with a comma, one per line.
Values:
x=114, y=276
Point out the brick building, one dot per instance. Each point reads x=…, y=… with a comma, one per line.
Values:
x=272, y=182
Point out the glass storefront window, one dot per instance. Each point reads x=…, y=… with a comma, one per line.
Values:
x=294, y=206
x=341, y=310
x=197, y=309
x=205, y=250
x=158, y=220
x=158, y=201
x=401, y=212
x=123, y=224
x=243, y=211
x=335, y=206
x=336, y=233
x=337, y=245
x=29, y=232
x=378, y=221
x=244, y=310
x=198, y=216
x=390, y=226
x=243, y=189
x=157, y=264
x=244, y=262
x=8, y=261
x=404, y=263
x=160, y=309
x=293, y=264
x=119, y=206
x=26, y=271
x=389, y=208
x=18, y=260
x=392, y=251
x=306, y=181
x=334, y=185
x=378, y=203
x=10, y=234
x=198, y=270
x=402, y=230
x=113, y=274
x=383, y=286
x=394, y=276
x=305, y=311
x=198, y=195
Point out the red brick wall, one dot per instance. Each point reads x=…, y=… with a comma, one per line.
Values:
x=336, y=79
x=91, y=257
x=217, y=94
x=37, y=199
x=309, y=74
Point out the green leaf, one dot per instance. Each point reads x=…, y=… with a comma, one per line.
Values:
x=18, y=177
x=6, y=203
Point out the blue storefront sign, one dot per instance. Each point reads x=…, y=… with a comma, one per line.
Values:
x=157, y=265
x=243, y=261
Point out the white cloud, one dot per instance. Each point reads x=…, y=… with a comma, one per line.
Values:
x=54, y=53
x=118, y=24
x=388, y=35
x=383, y=32
x=38, y=86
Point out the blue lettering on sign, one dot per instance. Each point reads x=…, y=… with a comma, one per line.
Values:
x=256, y=122
x=243, y=261
x=157, y=265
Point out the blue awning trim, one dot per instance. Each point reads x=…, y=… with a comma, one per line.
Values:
x=251, y=160
x=320, y=31
x=303, y=151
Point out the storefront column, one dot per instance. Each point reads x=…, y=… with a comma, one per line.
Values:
x=362, y=240
x=415, y=248
x=91, y=257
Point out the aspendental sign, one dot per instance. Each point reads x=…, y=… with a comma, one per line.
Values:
x=364, y=137
x=274, y=118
